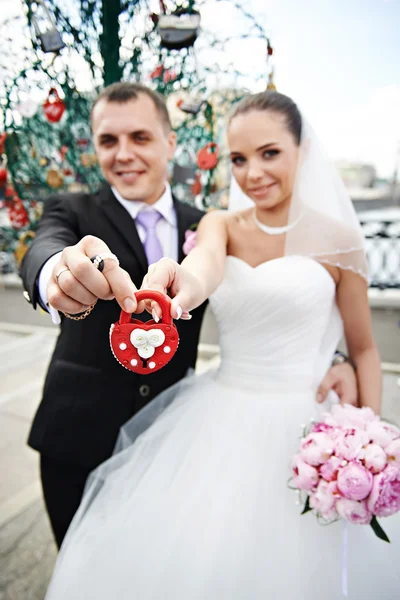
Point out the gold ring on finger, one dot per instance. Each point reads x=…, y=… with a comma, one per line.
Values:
x=60, y=273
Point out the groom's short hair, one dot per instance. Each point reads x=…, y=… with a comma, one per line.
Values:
x=123, y=91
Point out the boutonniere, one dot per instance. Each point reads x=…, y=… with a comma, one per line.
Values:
x=190, y=239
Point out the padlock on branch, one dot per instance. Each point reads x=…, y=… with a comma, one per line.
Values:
x=45, y=28
x=22, y=247
x=53, y=107
x=207, y=157
x=179, y=30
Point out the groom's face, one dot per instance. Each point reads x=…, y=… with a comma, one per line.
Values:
x=133, y=146
x=264, y=157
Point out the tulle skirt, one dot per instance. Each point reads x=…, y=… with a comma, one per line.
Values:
x=195, y=505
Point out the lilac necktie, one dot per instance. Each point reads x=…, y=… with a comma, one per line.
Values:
x=148, y=219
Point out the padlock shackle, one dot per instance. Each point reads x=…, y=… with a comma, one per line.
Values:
x=162, y=299
x=53, y=94
x=34, y=17
x=212, y=146
x=26, y=235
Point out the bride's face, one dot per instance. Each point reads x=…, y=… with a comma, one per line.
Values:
x=264, y=157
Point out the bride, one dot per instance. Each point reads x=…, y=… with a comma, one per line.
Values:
x=196, y=503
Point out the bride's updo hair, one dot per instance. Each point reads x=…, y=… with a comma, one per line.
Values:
x=274, y=102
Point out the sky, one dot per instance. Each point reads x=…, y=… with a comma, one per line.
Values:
x=338, y=59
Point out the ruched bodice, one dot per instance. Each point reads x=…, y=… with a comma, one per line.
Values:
x=278, y=322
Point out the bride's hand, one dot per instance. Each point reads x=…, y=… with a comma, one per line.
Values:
x=170, y=278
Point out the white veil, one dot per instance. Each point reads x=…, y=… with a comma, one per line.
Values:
x=328, y=230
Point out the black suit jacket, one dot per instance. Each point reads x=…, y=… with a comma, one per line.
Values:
x=87, y=394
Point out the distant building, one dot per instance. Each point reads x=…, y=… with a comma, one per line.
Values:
x=357, y=175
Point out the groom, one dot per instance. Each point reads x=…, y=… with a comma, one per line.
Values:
x=87, y=395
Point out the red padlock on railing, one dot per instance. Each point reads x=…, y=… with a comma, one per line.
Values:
x=3, y=137
x=3, y=177
x=145, y=347
x=17, y=214
x=53, y=107
x=207, y=157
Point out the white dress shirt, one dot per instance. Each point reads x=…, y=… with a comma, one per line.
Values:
x=167, y=232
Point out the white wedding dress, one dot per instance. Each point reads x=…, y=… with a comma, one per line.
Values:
x=198, y=506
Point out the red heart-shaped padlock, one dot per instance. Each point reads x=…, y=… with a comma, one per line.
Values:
x=207, y=157
x=145, y=347
x=3, y=177
x=53, y=107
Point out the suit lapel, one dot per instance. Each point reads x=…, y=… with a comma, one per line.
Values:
x=124, y=223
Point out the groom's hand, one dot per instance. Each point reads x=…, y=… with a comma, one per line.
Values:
x=342, y=380
x=76, y=283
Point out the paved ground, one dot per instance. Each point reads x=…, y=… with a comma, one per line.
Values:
x=27, y=550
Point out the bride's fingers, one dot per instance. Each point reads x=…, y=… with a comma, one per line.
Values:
x=144, y=282
x=186, y=316
x=155, y=310
x=157, y=314
x=163, y=276
x=152, y=307
x=159, y=278
x=141, y=307
x=149, y=305
x=179, y=307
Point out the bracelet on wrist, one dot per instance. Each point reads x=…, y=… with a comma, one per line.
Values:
x=339, y=358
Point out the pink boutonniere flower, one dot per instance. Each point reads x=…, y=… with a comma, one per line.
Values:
x=190, y=239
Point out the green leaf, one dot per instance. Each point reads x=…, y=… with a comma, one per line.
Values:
x=378, y=530
x=307, y=506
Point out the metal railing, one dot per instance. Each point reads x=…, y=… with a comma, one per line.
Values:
x=383, y=252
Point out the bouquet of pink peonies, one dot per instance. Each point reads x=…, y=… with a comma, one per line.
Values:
x=348, y=467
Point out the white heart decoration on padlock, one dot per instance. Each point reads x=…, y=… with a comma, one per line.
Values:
x=146, y=342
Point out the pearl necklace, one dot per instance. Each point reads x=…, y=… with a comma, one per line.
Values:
x=275, y=230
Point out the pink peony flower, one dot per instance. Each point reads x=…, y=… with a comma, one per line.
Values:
x=384, y=499
x=355, y=512
x=351, y=417
x=316, y=448
x=318, y=427
x=190, y=241
x=393, y=452
x=305, y=477
x=382, y=433
x=330, y=468
x=331, y=430
x=375, y=458
x=323, y=499
x=349, y=443
x=354, y=481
